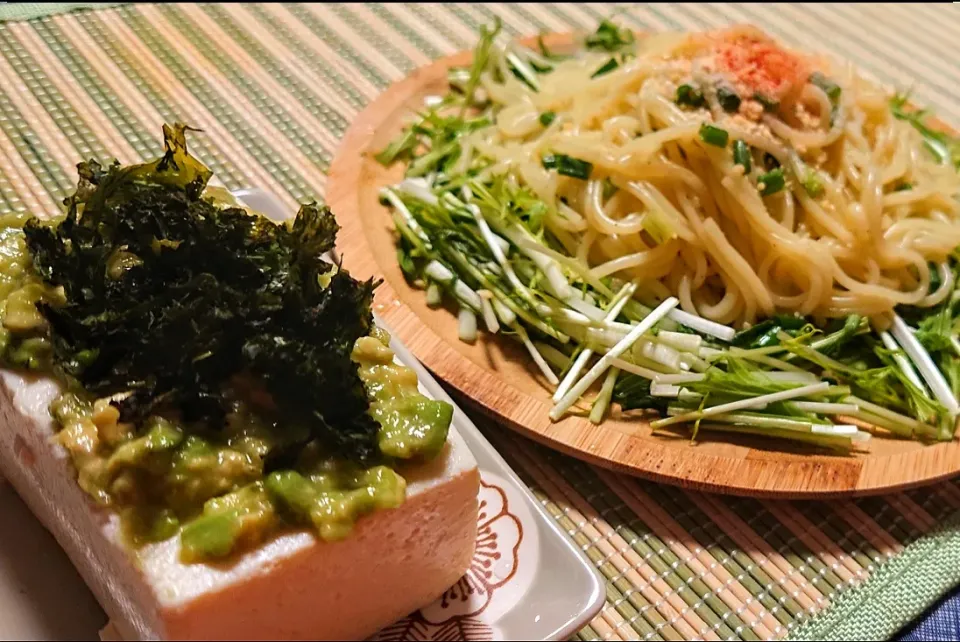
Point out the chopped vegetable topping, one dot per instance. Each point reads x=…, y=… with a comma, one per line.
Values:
x=943, y=146
x=713, y=135
x=771, y=182
x=547, y=117
x=568, y=166
x=812, y=184
x=728, y=99
x=769, y=104
x=610, y=37
x=689, y=96
x=741, y=155
x=606, y=68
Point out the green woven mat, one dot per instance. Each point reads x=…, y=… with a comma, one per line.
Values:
x=275, y=86
x=31, y=10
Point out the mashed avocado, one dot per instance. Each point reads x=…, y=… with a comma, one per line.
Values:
x=255, y=449
x=217, y=490
x=216, y=493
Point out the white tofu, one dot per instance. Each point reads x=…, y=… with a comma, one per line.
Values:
x=293, y=587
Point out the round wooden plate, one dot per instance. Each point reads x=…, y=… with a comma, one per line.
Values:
x=496, y=374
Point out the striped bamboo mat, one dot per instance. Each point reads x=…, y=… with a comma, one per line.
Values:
x=275, y=87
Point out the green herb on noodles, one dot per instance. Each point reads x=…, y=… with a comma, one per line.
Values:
x=712, y=135
x=568, y=166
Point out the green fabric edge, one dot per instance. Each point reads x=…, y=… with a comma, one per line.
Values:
x=894, y=595
x=15, y=11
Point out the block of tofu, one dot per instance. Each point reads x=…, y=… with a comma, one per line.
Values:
x=293, y=587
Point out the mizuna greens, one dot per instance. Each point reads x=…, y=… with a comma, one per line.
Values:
x=477, y=238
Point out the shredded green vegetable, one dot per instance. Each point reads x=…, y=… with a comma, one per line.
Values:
x=475, y=237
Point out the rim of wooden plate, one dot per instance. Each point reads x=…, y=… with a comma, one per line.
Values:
x=495, y=376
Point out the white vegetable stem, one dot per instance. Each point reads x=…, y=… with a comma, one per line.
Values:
x=744, y=404
x=420, y=189
x=602, y=401
x=537, y=357
x=928, y=369
x=791, y=377
x=824, y=408
x=559, y=286
x=705, y=326
x=489, y=316
x=605, y=361
x=664, y=390
x=902, y=361
x=507, y=316
x=621, y=300
x=439, y=272
x=467, y=326
x=640, y=371
x=398, y=205
x=497, y=249
x=681, y=340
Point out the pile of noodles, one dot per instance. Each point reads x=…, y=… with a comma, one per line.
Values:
x=685, y=220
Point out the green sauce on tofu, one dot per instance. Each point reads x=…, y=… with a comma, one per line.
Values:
x=257, y=451
x=215, y=492
x=410, y=424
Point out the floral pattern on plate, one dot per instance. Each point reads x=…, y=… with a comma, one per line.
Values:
x=499, y=575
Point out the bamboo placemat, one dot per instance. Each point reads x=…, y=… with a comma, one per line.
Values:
x=275, y=87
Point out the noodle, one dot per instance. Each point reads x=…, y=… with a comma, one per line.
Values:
x=840, y=211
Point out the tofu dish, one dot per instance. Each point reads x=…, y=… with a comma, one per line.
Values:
x=198, y=404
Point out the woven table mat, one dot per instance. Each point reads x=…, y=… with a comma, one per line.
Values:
x=275, y=87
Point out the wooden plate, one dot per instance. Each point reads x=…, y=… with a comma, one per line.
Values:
x=496, y=375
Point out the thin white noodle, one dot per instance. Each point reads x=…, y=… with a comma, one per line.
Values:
x=684, y=220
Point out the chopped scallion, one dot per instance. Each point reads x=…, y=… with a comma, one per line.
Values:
x=741, y=155
x=812, y=184
x=609, y=37
x=547, y=118
x=568, y=166
x=606, y=68
x=728, y=99
x=768, y=103
x=771, y=182
x=689, y=96
x=712, y=135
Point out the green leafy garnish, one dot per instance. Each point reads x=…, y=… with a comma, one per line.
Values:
x=606, y=68
x=402, y=147
x=689, y=96
x=729, y=99
x=765, y=333
x=481, y=58
x=214, y=293
x=633, y=393
x=944, y=147
x=769, y=104
x=741, y=155
x=812, y=184
x=547, y=118
x=772, y=182
x=610, y=37
x=440, y=135
x=713, y=135
x=568, y=166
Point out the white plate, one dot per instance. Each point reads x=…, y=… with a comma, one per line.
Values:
x=528, y=581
